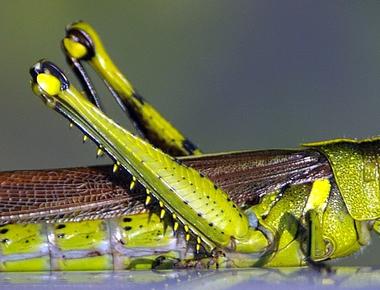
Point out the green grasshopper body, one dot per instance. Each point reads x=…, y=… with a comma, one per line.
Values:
x=152, y=210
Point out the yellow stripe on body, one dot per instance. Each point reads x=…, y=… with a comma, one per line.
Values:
x=319, y=195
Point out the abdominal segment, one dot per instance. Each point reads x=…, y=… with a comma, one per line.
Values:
x=131, y=242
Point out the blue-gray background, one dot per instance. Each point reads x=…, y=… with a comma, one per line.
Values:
x=230, y=74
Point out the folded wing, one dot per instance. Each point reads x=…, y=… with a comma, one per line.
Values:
x=84, y=193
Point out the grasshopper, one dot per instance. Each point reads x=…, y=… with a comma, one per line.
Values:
x=164, y=204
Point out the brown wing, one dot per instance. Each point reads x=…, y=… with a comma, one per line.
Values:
x=95, y=192
x=246, y=176
x=66, y=194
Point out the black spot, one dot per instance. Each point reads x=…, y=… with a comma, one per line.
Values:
x=228, y=199
x=199, y=214
x=240, y=215
x=211, y=224
x=140, y=226
x=215, y=187
x=183, y=177
x=127, y=228
x=87, y=236
x=185, y=202
x=4, y=241
x=222, y=233
x=4, y=231
x=234, y=206
x=189, y=146
x=27, y=241
x=214, y=202
x=208, y=196
x=139, y=98
x=60, y=226
x=222, y=211
x=127, y=219
x=60, y=236
x=201, y=175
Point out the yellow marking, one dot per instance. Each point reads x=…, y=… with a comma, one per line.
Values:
x=148, y=199
x=71, y=125
x=198, y=247
x=115, y=168
x=21, y=238
x=85, y=138
x=186, y=228
x=132, y=185
x=162, y=214
x=199, y=240
x=174, y=216
x=49, y=83
x=75, y=49
x=99, y=152
x=26, y=265
x=161, y=204
x=80, y=235
x=175, y=227
x=187, y=237
x=147, y=191
x=103, y=262
x=144, y=230
x=319, y=195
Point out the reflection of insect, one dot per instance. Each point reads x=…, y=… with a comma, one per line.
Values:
x=259, y=208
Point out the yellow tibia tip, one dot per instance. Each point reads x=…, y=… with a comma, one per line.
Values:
x=75, y=49
x=162, y=214
x=187, y=237
x=85, y=138
x=174, y=216
x=148, y=199
x=199, y=240
x=71, y=125
x=49, y=84
x=175, y=227
x=115, y=168
x=186, y=228
x=147, y=191
x=161, y=204
x=197, y=247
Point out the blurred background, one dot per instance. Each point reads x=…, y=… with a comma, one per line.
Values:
x=231, y=75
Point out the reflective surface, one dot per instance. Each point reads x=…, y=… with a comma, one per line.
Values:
x=286, y=278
